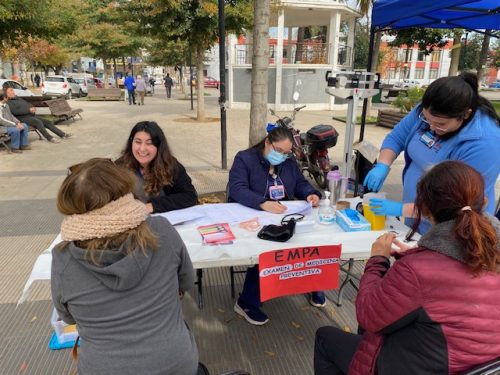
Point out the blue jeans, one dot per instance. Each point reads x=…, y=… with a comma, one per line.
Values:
x=131, y=96
x=18, y=138
x=250, y=295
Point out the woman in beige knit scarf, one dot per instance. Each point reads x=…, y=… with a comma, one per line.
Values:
x=118, y=275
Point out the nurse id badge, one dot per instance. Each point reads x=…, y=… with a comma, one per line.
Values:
x=428, y=139
x=277, y=192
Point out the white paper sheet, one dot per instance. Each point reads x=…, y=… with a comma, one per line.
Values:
x=183, y=216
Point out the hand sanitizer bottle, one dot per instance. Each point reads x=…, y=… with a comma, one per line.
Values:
x=326, y=213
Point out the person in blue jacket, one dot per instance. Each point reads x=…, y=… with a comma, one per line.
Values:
x=453, y=122
x=260, y=177
x=130, y=85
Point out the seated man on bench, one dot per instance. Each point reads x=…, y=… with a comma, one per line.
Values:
x=27, y=113
x=17, y=131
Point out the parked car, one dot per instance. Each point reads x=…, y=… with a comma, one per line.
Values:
x=207, y=82
x=406, y=83
x=85, y=81
x=61, y=85
x=211, y=82
x=19, y=89
x=494, y=85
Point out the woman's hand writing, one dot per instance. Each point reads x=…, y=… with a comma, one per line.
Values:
x=313, y=199
x=274, y=207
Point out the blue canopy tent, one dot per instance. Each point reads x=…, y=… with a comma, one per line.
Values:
x=438, y=14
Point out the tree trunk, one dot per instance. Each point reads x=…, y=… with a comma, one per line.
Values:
x=105, y=75
x=200, y=79
x=260, y=64
x=455, y=53
x=181, y=79
x=124, y=67
x=114, y=72
x=483, y=56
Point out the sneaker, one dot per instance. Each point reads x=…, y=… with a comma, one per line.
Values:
x=253, y=315
x=16, y=151
x=54, y=140
x=27, y=147
x=318, y=299
x=67, y=135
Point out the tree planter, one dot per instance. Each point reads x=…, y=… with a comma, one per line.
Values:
x=389, y=119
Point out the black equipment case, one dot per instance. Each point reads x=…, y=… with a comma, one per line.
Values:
x=322, y=136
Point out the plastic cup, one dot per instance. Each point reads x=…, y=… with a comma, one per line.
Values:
x=377, y=222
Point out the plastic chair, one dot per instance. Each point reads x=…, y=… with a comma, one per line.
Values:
x=489, y=368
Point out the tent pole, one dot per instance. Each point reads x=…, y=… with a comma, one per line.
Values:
x=368, y=69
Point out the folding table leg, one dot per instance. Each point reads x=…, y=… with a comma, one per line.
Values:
x=348, y=279
x=231, y=272
x=199, y=283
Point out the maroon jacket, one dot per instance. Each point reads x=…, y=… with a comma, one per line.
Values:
x=427, y=314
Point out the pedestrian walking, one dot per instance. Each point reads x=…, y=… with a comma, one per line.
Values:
x=140, y=87
x=130, y=85
x=168, y=82
x=152, y=82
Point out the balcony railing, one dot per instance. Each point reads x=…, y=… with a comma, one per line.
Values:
x=296, y=53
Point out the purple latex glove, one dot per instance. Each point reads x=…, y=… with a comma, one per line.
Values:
x=376, y=177
x=385, y=207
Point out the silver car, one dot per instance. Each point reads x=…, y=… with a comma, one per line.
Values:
x=61, y=85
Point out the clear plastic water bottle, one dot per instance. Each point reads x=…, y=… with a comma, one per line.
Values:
x=326, y=213
x=335, y=186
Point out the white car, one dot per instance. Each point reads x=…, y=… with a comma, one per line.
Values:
x=61, y=85
x=406, y=83
x=19, y=89
x=85, y=81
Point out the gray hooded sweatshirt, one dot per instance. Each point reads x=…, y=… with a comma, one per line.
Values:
x=127, y=310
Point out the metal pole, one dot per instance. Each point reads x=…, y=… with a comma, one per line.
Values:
x=222, y=85
x=368, y=68
x=191, y=78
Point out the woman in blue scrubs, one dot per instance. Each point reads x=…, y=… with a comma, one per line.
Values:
x=453, y=122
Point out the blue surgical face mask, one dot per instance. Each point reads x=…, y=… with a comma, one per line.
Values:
x=275, y=158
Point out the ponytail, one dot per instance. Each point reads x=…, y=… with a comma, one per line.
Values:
x=479, y=239
x=479, y=102
x=452, y=190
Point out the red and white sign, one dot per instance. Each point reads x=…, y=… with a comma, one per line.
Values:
x=298, y=270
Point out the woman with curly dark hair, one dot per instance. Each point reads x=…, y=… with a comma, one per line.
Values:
x=162, y=182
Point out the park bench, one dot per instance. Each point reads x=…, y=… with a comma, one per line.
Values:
x=61, y=109
x=104, y=94
x=389, y=119
x=4, y=138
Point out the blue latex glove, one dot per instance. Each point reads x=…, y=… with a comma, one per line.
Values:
x=385, y=207
x=376, y=177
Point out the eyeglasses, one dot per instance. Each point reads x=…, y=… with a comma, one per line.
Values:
x=288, y=154
x=75, y=167
x=421, y=116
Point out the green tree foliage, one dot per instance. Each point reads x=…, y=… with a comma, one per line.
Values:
x=195, y=22
x=469, y=54
x=361, y=44
x=426, y=39
x=49, y=19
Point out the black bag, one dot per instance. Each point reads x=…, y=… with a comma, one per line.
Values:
x=280, y=233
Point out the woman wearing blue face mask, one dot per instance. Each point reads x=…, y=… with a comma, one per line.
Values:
x=260, y=177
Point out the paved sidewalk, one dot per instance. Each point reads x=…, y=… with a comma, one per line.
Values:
x=29, y=183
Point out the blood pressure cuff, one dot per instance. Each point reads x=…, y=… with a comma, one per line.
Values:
x=280, y=233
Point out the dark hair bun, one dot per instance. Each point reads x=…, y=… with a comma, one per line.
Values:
x=471, y=79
